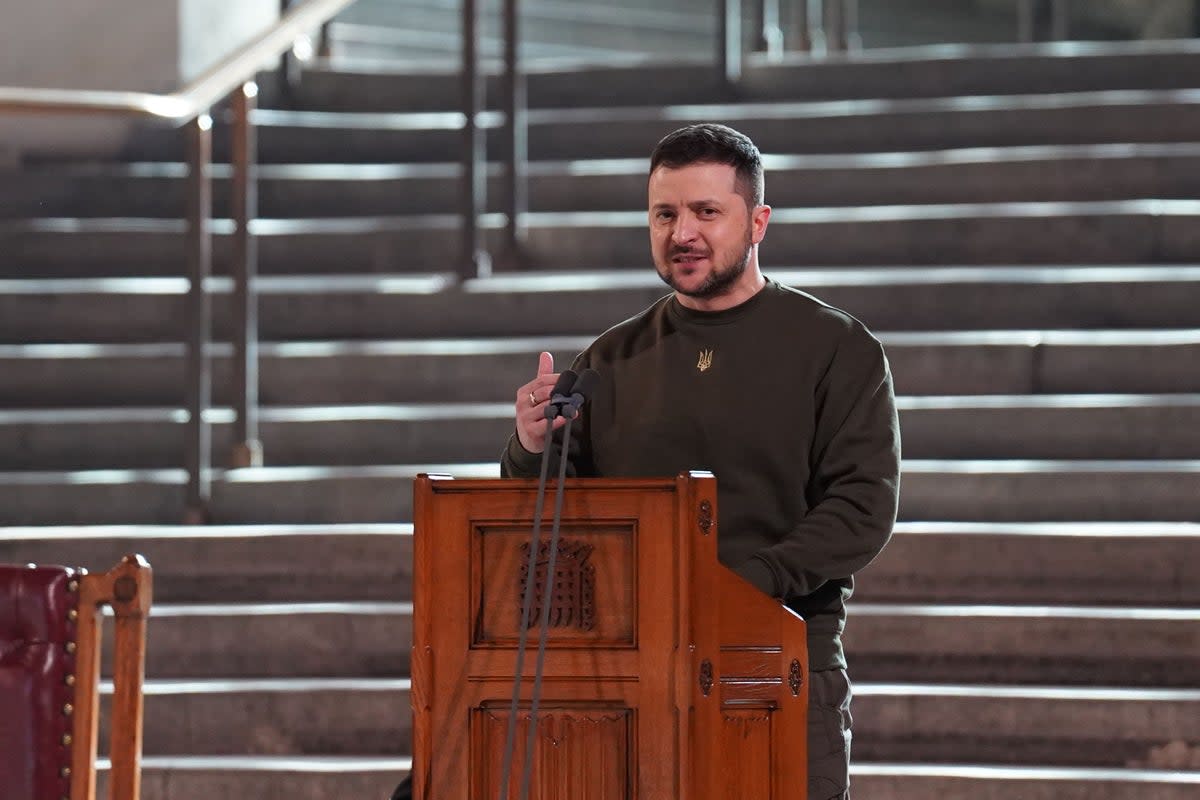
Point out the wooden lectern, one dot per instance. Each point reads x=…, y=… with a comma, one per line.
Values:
x=667, y=677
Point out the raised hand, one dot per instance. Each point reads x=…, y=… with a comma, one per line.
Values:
x=531, y=405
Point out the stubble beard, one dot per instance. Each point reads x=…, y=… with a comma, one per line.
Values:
x=717, y=282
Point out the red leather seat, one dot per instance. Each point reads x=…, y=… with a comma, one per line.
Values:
x=49, y=679
x=39, y=608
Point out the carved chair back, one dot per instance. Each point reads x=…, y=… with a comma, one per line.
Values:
x=49, y=679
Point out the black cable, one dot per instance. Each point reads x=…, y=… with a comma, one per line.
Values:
x=544, y=626
x=526, y=607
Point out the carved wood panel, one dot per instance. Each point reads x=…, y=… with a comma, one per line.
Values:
x=571, y=590
x=592, y=593
x=580, y=752
x=747, y=733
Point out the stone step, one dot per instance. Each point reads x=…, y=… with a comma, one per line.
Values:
x=475, y=370
x=198, y=565
x=1127, y=564
x=684, y=28
x=307, y=716
x=321, y=778
x=1006, y=644
x=915, y=72
x=379, y=494
x=620, y=29
x=971, y=426
x=276, y=640
x=432, y=306
x=266, y=777
x=1111, y=232
x=1023, y=644
x=842, y=126
x=1013, y=174
x=372, y=47
x=946, y=723
x=899, y=781
x=1135, y=565
x=1101, y=727
x=972, y=491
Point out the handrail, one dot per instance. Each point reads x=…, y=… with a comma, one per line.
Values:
x=196, y=97
x=188, y=108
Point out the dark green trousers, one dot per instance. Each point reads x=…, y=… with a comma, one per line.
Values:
x=829, y=724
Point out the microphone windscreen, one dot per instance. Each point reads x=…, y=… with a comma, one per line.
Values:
x=566, y=380
x=587, y=383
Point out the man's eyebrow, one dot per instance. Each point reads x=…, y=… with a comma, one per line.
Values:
x=707, y=201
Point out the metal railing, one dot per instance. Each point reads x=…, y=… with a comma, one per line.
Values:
x=189, y=109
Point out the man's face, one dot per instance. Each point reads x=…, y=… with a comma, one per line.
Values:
x=702, y=234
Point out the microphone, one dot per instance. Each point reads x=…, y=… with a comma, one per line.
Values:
x=561, y=393
x=580, y=392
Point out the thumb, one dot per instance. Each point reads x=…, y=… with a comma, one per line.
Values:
x=545, y=364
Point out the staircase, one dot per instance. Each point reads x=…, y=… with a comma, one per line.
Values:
x=1019, y=229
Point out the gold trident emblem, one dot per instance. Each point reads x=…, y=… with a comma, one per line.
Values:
x=705, y=360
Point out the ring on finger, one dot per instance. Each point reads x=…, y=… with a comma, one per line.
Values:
x=532, y=400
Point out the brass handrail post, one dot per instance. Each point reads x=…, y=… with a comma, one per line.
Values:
x=247, y=448
x=729, y=41
x=198, y=455
x=851, y=40
x=1038, y=20
x=769, y=34
x=1060, y=20
x=800, y=31
x=474, y=260
x=1025, y=13
x=516, y=172
x=839, y=23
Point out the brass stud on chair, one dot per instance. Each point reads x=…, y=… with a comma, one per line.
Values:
x=70, y=647
x=65, y=772
x=73, y=586
x=72, y=615
x=68, y=709
x=69, y=680
x=67, y=739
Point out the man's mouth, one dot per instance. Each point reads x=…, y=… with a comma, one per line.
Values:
x=687, y=258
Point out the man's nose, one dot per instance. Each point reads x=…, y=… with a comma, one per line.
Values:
x=684, y=230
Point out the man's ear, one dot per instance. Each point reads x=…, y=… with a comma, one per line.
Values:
x=758, y=223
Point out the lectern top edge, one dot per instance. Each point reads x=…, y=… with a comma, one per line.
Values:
x=444, y=482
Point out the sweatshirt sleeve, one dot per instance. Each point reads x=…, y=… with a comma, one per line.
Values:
x=855, y=477
x=517, y=462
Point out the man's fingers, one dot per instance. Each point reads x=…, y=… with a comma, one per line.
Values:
x=537, y=391
x=545, y=363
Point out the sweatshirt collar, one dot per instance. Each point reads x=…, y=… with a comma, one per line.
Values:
x=691, y=316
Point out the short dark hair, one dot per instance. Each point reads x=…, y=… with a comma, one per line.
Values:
x=710, y=143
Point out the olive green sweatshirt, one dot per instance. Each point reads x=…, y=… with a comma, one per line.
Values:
x=789, y=403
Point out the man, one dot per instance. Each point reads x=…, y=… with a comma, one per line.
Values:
x=786, y=400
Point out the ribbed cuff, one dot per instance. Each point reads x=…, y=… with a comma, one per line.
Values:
x=760, y=575
x=519, y=462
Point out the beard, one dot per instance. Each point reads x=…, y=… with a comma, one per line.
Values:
x=718, y=281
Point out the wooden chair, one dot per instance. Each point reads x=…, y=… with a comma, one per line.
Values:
x=49, y=679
